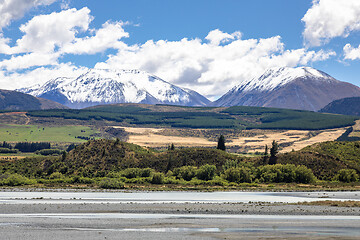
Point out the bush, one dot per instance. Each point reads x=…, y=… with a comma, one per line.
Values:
x=347, y=175
x=238, y=175
x=56, y=175
x=111, y=183
x=285, y=173
x=304, y=175
x=206, y=172
x=136, y=172
x=157, y=178
x=46, y=152
x=186, y=172
x=15, y=180
x=131, y=172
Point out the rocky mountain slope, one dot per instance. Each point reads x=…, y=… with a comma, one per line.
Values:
x=12, y=100
x=101, y=86
x=302, y=88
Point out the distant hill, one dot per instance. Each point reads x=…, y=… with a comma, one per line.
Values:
x=203, y=117
x=12, y=100
x=346, y=106
x=302, y=88
x=104, y=86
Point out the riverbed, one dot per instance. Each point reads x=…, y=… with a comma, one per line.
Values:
x=80, y=214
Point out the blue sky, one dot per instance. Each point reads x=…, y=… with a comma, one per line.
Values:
x=206, y=45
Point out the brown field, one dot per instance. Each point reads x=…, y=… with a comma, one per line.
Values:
x=244, y=141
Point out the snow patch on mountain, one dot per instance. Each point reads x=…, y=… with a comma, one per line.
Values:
x=279, y=76
x=105, y=86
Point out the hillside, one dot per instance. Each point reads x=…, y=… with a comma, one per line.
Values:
x=346, y=106
x=203, y=117
x=12, y=100
x=301, y=88
x=98, y=158
x=327, y=158
x=105, y=86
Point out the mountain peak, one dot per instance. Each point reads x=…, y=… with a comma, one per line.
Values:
x=279, y=76
x=105, y=86
x=303, y=88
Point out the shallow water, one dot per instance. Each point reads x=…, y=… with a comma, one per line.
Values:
x=177, y=197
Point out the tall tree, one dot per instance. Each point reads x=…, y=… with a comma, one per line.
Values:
x=266, y=155
x=274, y=150
x=221, y=143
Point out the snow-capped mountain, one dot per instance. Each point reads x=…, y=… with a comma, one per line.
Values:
x=104, y=86
x=296, y=88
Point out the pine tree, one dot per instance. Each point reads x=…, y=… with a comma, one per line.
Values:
x=266, y=155
x=221, y=143
x=274, y=150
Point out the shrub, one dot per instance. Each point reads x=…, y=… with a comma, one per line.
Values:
x=145, y=172
x=186, y=172
x=304, y=175
x=111, y=183
x=46, y=152
x=157, y=178
x=15, y=180
x=206, y=172
x=56, y=175
x=347, y=175
x=238, y=175
x=131, y=172
x=285, y=173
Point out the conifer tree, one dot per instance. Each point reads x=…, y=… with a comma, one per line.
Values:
x=221, y=143
x=274, y=150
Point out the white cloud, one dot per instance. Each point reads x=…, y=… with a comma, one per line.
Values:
x=210, y=68
x=15, y=80
x=44, y=33
x=106, y=37
x=14, y=9
x=351, y=52
x=327, y=19
x=216, y=36
x=29, y=60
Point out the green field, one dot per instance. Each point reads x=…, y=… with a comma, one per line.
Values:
x=32, y=133
x=194, y=117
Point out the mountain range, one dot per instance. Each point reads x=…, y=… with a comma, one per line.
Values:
x=103, y=86
x=303, y=88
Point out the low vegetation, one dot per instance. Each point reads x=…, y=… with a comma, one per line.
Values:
x=114, y=164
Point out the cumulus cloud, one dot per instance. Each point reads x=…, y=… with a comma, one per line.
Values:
x=14, y=9
x=209, y=67
x=48, y=37
x=327, y=19
x=44, y=33
x=29, y=60
x=106, y=37
x=15, y=80
x=351, y=52
x=216, y=36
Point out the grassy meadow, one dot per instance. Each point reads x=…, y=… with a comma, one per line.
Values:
x=34, y=133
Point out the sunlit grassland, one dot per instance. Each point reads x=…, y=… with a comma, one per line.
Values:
x=33, y=133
